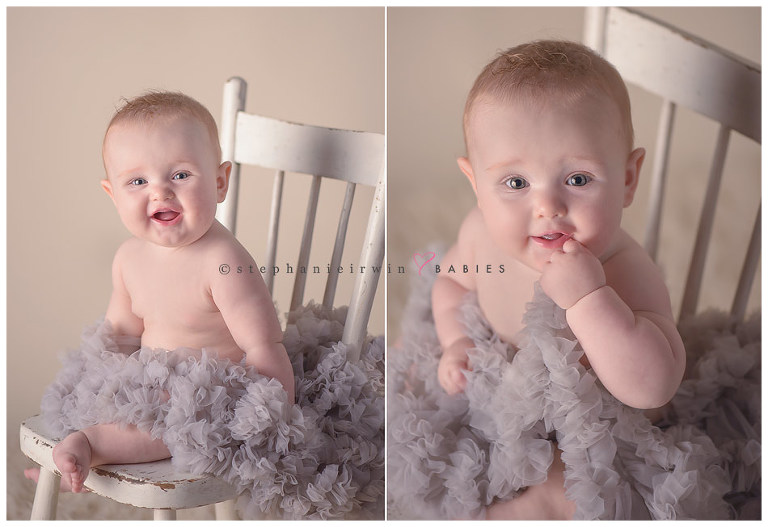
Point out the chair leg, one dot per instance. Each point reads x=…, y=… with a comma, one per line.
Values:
x=225, y=511
x=46, y=496
x=164, y=514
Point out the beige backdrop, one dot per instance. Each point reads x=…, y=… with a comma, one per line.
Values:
x=434, y=55
x=67, y=70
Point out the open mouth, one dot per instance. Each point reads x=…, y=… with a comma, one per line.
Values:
x=552, y=240
x=166, y=216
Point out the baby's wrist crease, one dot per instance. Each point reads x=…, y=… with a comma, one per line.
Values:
x=588, y=294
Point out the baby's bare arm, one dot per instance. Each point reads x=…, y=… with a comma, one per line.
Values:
x=638, y=355
x=628, y=332
x=248, y=311
x=446, y=300
x=119, y=311
x=448, y=292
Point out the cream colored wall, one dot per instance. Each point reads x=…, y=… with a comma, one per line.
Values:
x=67, y=69
x=433, y=57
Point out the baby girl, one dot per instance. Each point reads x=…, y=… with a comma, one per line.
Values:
x=551, y=160
x=165, y=176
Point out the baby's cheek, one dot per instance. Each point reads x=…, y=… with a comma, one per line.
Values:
x=599, y=239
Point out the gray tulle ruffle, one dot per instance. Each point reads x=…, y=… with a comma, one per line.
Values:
x=322, y=458
x=450, y=457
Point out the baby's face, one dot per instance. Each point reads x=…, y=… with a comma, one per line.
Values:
x=164, y=179
x=544, y=173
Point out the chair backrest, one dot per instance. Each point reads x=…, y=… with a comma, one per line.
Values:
x=687, y=71
x=345, y=155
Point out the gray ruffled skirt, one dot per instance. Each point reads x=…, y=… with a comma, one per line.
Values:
x=321, y=458
x=450, y=457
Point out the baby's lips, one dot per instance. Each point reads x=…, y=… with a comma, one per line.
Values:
x=165, y=215
x=552, y=240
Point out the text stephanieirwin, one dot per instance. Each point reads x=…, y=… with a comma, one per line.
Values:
x=226, y=269
x=290, y=269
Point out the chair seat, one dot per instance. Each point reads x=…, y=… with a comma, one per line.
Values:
x=156, y=485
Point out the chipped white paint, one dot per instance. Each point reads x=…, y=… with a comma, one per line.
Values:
x=154, y=485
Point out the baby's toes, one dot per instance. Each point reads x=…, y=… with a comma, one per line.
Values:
x=76, y=482
x=67, y=463
x=32, y=473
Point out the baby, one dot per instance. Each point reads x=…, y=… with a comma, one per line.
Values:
x=551, y=160
x=165, y=176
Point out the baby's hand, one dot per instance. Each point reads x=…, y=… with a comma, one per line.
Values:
x=571, y=274
x=452, y=364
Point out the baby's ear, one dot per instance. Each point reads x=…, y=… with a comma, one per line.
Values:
x=632, y=174
x=466, y=167
x=107, y=186
x=222, y=180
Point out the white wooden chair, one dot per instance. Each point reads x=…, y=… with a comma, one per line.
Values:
x=685, y=71
x=354, y=157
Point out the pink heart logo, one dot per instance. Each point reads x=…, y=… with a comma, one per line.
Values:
x=426, y=257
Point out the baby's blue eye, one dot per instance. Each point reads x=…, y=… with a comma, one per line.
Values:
x=516, y=183
x=180, y=175
x=578, y=180
x=138, y=181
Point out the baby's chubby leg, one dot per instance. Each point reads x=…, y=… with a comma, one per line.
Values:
x=545, y=501
x=101, y=445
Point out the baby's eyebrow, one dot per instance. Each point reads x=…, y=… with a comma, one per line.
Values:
x=507, y=163
x=583, y=159
x=128, y=174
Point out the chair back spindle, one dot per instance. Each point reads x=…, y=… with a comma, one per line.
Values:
x=706, y=222
x=300, y=279
x=233, y=103
x=371, y=257
x=338, y=246
x=659, y=178
x=748, y=271
x=274, y=224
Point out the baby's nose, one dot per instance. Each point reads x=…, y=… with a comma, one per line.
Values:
x=161, y=192
x=549, y=204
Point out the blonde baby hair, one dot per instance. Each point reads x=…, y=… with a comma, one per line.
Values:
x=544, y=70
x=166, y=104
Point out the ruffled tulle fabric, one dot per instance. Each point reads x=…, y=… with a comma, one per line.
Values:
x=450, y=457
x=321, y=458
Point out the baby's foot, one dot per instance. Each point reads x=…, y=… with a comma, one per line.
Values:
x=73, y=459
x=34, y=475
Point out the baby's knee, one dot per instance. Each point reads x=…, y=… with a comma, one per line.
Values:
x=562, y=507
